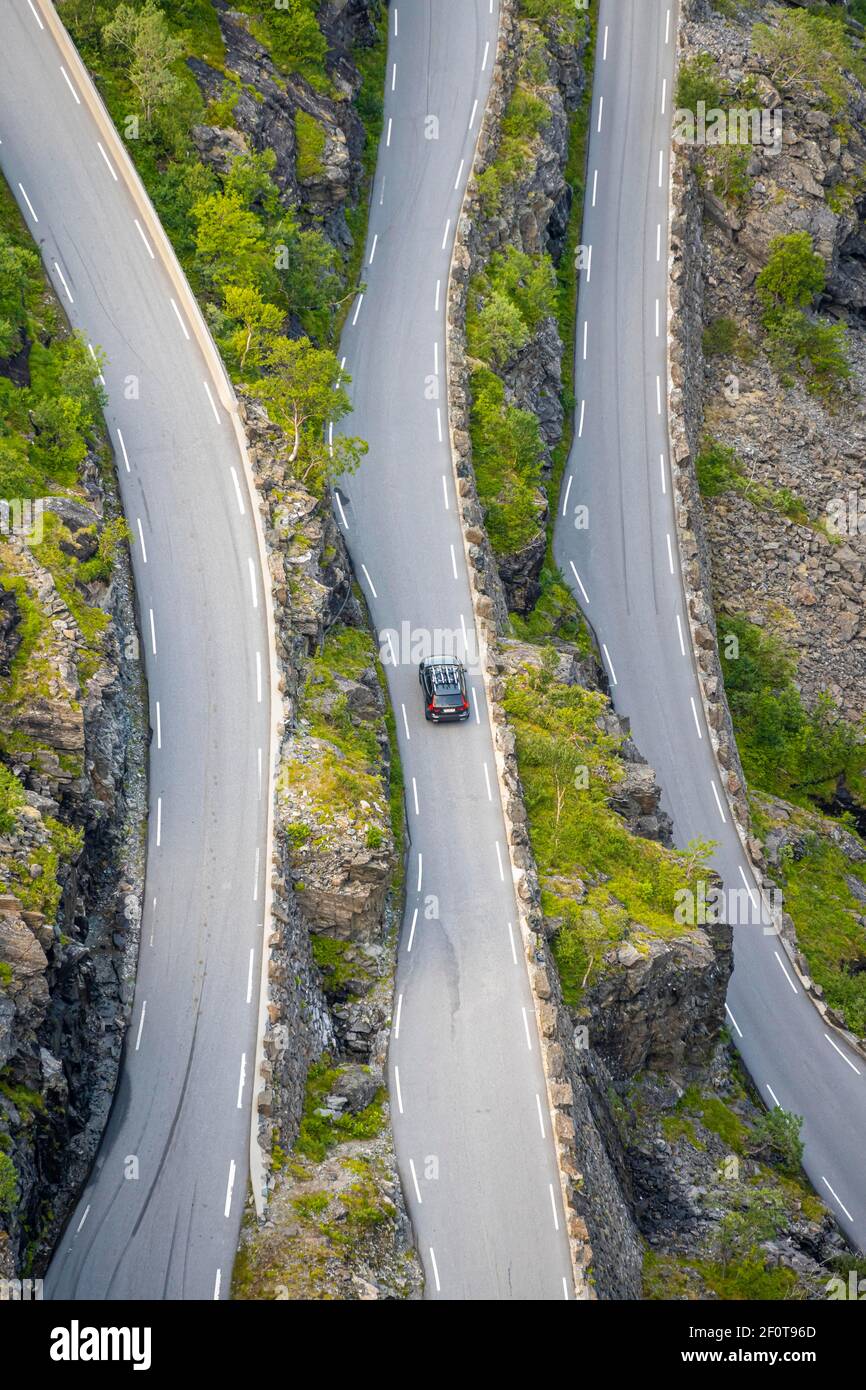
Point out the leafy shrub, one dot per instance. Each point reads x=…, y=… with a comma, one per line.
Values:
x=699, y=79
x=507, y=451
x=785, y=748
x=794, y=275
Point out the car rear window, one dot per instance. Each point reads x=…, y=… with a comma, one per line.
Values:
x=448, y=701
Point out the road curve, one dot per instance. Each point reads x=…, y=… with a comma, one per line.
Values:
x=160, y=1215
x=467, y=1090
x=629, y=583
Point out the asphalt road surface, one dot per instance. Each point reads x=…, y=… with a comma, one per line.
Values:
x=467, y=1092
x=160, y=1215
x=625, y=573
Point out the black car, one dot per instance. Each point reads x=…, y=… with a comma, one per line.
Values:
x=443, y=681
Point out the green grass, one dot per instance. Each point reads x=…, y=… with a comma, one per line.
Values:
x=310, y=147
x=715, y=1116
x=825, y=911
x=785, y=748
x=719, y=470
x=576, y=835
x=318, y=1135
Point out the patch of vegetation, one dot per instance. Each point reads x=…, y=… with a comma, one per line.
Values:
x=310, y=136
x=699, y=79
x=507, y=451
x=723, y=337
x=28, y=1103
x=716, y=1116
x=797, y=342
x=785, y=748
x=8, y=1184
x=250, y=260
x=570, y=770
x=719, y=470
x=809, y=53
x=318, y=1134
x=818, y=896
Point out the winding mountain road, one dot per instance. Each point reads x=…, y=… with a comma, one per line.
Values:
x=468, y=1097
x=160, y=1215
x=624, y=570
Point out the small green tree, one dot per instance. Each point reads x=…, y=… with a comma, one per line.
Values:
x=699, y=79
x=230, y=241
x=257, y=322
x=496, y=331
x=777, y=1133
x=143, y=35
x=304, y=390
x=794, y=275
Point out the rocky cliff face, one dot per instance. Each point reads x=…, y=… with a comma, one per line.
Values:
x=797, y=571
x=337, y=873
x=323, y=177
x=73, y=737
x=529, y=213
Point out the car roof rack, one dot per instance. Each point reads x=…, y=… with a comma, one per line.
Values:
x=445, y=672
